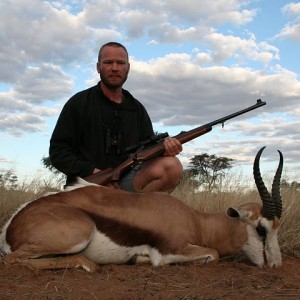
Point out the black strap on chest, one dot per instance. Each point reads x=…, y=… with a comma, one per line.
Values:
x=113, y=135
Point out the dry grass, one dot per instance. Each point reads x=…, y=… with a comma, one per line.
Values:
x=289, y=234
x=11, y=199
x=233, y=193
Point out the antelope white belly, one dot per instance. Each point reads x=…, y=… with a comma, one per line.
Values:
x=103, y=250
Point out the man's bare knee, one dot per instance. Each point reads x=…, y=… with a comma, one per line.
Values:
x=160, y=174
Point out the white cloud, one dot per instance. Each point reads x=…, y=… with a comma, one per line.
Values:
x=291, y=29
x=36, y=32
x=21, y=109
x=292, y=9
x=211, y=12
x=18, y=124
x=228, y=46
x=188, y=91
x=41, y=83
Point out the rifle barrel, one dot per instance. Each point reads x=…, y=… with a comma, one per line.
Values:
x=186, y=136
x=258, y=104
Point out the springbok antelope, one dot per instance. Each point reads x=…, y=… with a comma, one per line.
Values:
x=90, y=225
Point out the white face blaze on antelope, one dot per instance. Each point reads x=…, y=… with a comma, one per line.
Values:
x=89, y=225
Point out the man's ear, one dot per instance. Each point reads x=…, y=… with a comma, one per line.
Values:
x=98, y=67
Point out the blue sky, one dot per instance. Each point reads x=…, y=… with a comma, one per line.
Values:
x=192, y=62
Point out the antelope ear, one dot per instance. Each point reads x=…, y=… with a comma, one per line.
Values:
x=232, y=212
x=243, y=215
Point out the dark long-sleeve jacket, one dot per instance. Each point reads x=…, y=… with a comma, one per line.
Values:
x=94, y=132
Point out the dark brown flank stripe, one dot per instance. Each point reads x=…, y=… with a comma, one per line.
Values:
x=127, y=235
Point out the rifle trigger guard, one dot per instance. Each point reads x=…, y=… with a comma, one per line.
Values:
x=134, y=156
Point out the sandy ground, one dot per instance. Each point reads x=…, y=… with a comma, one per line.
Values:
x=226, y=279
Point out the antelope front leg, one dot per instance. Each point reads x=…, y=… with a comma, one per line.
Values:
x=190, y=253
x=200, y=254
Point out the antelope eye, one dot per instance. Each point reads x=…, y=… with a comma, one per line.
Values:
x=261, y=231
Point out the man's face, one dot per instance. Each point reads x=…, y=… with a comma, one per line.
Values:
x=113, y=67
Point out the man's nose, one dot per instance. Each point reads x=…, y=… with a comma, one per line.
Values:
x=115, y=66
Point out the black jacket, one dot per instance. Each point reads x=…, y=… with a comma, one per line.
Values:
x=93, y=132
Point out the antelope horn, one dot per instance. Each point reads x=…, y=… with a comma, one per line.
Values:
x=268, y=210
x=276, y=188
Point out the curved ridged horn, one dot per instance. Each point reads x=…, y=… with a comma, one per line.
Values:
x=268, y=210
x=276, y=188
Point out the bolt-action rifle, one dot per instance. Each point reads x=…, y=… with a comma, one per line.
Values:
x=154, y=147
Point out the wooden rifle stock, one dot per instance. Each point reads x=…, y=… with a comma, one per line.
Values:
x=114, y=174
